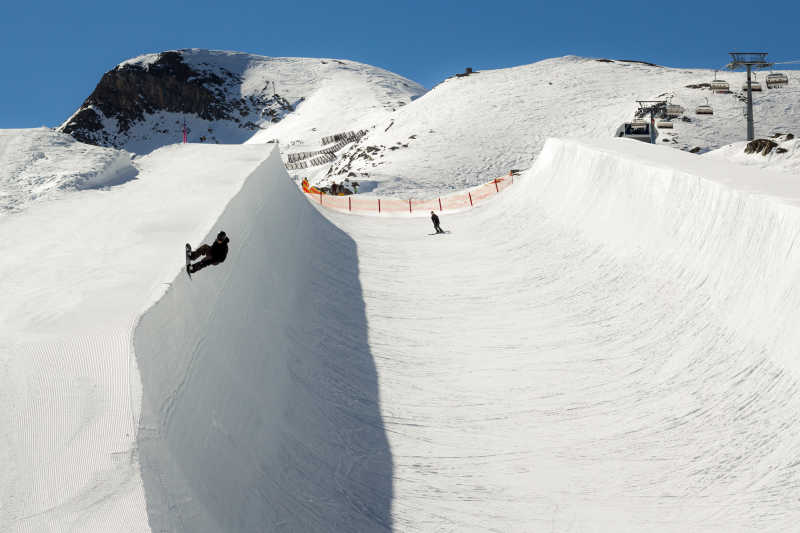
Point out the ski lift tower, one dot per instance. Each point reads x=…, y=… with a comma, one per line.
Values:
x=748, y=60
x=653, y=108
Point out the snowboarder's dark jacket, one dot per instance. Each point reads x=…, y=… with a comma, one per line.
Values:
x=219, y=250
x=435, y=219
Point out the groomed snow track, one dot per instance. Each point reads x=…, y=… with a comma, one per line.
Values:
x=609, y=345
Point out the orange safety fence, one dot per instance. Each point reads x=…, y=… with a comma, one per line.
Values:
x=356, y=203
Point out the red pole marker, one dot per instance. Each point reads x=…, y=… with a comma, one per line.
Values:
x=409, y=206
x=470, y=198
x=496, y=188
x=320, y=198
x=379, y=205
x=349, y=203
x=440, y=204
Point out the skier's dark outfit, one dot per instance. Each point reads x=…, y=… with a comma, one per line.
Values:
x=435, y=220
x=214, y=254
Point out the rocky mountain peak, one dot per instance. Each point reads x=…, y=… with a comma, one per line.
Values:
x=142, y=92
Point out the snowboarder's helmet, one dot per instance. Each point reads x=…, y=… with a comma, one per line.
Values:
x=221, y=235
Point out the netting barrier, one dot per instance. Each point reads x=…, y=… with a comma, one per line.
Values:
x=380, y=205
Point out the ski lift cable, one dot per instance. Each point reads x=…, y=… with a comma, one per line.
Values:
x=793, y=62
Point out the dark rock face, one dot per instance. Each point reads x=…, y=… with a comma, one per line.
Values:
x=760, y=146
x=638, y=61
x=131, y=92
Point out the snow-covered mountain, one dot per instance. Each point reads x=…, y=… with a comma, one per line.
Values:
x=470, y=129
x=465, y=131
x=228, y=97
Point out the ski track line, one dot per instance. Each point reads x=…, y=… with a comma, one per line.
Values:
x=92, y=430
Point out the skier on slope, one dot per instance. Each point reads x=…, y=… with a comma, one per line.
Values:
x=214, y=254
x=435, y=221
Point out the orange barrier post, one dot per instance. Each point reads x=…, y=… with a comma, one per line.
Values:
x=453, y=201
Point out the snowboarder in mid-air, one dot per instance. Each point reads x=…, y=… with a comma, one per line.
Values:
x=435, y=220
x=214, y=254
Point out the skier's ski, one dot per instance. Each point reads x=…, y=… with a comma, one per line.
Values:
x=189, y=259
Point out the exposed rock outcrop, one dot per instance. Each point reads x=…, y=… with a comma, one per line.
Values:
x=134, y=91
x=760, y=146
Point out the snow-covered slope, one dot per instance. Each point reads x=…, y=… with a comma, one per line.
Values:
x=260, y=403
x=610, y=345
x=228, y=97
x=75, y=276
x=37, y=164
x=470, y=129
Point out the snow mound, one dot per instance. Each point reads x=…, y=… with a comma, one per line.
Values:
x=38, y=164
x=783, y=157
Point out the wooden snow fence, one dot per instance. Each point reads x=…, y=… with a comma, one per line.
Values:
x=297, y=160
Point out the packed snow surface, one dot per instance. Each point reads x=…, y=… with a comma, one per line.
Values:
x=608, y=345
x=76, y=275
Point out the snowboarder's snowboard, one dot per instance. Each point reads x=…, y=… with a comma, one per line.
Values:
x=189, y=259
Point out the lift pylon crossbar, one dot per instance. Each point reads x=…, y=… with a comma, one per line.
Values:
x=743, y=59
x=749, y=60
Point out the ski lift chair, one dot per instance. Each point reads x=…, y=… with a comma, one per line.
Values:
x=673, y=111
x=704, y=109
x=636, y=129
x=777, y=79
x=755, y=86
x=719, y=86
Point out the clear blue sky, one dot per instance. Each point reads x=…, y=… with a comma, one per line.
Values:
x=52, y=54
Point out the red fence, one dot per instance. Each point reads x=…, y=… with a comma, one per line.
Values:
x=356, y=203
